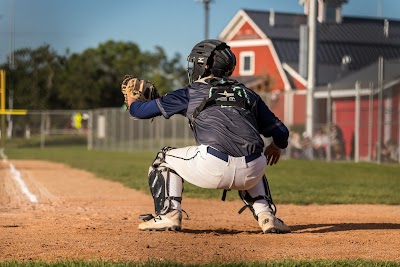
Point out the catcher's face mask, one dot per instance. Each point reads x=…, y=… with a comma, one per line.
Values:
x=196, y=68
x=190, y=70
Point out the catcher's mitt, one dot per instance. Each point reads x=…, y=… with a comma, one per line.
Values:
x=138, y=89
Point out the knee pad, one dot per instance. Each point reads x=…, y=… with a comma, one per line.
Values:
x=249, y=200
x=165, y=184
x=160, y=158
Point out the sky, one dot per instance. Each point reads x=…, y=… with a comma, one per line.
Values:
x=175, y=25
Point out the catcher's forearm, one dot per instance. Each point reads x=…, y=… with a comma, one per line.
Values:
x=144, y=110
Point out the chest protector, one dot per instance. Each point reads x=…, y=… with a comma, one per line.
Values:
x=223, y=93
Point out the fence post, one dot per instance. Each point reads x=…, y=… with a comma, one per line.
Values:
x=186, y=134
x=114, y=145
x=90, y=131
x=329, y=122
x=42, y=129
x=141, y=129
x=398, y=126
x=174, y=131
x=153, y=134
x=380, y=103
x=122, y=137
x=370, y=120
x=289, y=117
x=162, y=131
x=357, y=125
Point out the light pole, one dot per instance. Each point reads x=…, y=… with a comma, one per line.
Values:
x=206, y=4
x=312, y=60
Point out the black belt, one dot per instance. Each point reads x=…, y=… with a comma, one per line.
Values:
x=225, y=157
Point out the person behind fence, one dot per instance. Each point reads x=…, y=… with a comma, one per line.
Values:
x=306, y=146
x=296, y=149
x=337, y=142
x=389, y=151
x=393, y=149
x=227, y=120
x=319, y=142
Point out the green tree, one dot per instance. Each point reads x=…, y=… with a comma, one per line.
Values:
x=32, y=80
x=41, y=79
x=166, y=74
x=92, y=79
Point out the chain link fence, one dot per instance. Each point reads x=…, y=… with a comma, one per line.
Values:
x=115, y=129
x=361, y=123
x=348, y=125
x=46, y=128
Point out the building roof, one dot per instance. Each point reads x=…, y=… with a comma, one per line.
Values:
x=363, y=40
x=369, y=75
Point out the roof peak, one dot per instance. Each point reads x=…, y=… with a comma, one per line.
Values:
x=345, y=18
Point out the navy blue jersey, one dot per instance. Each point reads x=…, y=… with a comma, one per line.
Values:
x=234, y=130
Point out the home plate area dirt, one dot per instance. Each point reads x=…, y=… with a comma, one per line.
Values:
x=78, y=216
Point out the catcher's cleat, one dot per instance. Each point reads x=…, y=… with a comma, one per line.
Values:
x=171, y=221
x=272, y=224
x=146, y=217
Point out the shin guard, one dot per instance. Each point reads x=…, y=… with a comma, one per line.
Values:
x=160, y=188
x=249, y=200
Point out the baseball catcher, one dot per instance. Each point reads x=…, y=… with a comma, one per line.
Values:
x=228, y=121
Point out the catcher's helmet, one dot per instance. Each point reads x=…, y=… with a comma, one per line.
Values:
x=210, y=57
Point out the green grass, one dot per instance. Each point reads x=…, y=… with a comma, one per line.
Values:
x=286, y=263
x=291, y=181
x=49, y=141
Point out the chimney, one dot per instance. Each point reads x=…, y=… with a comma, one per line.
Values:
x=303, y=51
x=386, y=28
x=329, y=11
x=346, y=61
x=272, y=18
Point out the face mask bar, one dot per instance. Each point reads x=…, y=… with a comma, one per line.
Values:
x=190, y=70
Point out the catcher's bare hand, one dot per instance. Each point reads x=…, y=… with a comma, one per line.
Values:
x=135, y=89
x=272, y=153
x=131, y=98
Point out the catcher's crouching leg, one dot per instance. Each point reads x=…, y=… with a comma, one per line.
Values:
x=260, y=203
x=166, y=187
x=263, y=197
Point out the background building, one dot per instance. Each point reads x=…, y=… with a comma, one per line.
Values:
x=272, y=53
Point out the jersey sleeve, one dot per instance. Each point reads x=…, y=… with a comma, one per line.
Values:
x=270, y=126
x=144, y=110
x=172, y=103
x=169, y=104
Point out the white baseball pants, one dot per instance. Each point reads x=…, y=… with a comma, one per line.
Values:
x=196, y=166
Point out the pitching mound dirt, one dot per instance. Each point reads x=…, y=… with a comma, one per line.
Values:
x=80, y=216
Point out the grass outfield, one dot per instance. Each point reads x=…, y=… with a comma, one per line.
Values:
x=291, y=181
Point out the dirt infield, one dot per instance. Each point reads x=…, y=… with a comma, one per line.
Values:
x=80, y=216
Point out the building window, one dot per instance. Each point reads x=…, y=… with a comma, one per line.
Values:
x=246, y=63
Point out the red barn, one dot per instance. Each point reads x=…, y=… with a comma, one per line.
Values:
x=271, y=50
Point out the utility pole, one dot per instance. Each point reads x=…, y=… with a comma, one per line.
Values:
x=312, y=60
x=206, y=4
x=379, y=8
x=12, y=67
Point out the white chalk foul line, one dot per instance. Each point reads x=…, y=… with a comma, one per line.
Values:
x=17, y=177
